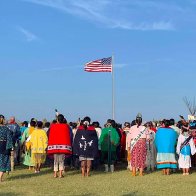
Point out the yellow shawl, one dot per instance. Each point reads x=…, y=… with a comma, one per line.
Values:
x=39, y=141
x=27, y=143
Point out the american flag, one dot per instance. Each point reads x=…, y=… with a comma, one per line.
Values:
x=100, y=65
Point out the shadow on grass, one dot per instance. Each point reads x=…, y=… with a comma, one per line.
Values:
x=29, y=175
x=10, y=194
x=20, y=167
x=130, y=194
x=87, y=194
x=118, y=168
x=71, y=172
x=98, y=171
x=46, y=170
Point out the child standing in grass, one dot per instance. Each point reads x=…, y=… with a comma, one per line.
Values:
x=185, y=148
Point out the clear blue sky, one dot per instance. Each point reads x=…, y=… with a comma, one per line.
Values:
x=44, y=45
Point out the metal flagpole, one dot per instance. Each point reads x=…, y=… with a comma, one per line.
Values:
x=113, y=100
x=109, y=149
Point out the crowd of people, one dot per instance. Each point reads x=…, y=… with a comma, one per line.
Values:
x=84, y=144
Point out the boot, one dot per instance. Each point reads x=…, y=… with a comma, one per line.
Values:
x=112, y=168
x=106, y=168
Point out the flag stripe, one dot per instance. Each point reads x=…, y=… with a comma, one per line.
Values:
x=98, y=70
x=100, y=65
x=104, y=67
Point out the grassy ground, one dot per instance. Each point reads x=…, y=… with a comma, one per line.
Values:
x=23, y=182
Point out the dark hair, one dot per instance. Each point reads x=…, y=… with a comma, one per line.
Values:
x=166, y=123
x=39, y=124
x=86, y=122
x=149, y=124
x=47, y=124
x=133, y=123
x=184, y=128
x=96, y=124
x=32, y=123
x=70, y=124
x=33, y=119
x=60, y=118
x=81, y=122
x=179, y=124
x=1, y=116
x=172, y=121
x=138, y=121
x=65, y=121
x=109, y=120
x=25, y=124
x=113, y=123
x=87, y=119
x=127, y=124
x=54, y=121
x=119, y=126
x=74, y=125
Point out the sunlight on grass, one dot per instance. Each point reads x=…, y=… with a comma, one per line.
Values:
x=24, y=182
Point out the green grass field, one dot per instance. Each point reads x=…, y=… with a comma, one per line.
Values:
x=24, y=182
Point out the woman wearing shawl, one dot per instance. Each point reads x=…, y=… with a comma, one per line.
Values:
x=26, y=145
x=59, y=144
x=39, y=141
x=185, y=148
x=109, y=141
x=137, y=146
x=86, y=145
x=165, y=141
x=5, y=148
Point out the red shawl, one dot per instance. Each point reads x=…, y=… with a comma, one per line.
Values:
x=59, y=141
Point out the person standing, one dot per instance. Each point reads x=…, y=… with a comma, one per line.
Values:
x=122, y=143
x=74, y=128
x=59, y=144
x=137, y=145
x=23, y=127
x=85, y=145
x=193, y=134
x=172, y=125
x=15, y=129
x=46, y=126
x=26, y=145
x=126, y=129
x=39, y=141
x=6, y=144
x=98, y=130
x=185, y=148
x=165, y=141
x=109, y=142
x=151, y=150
